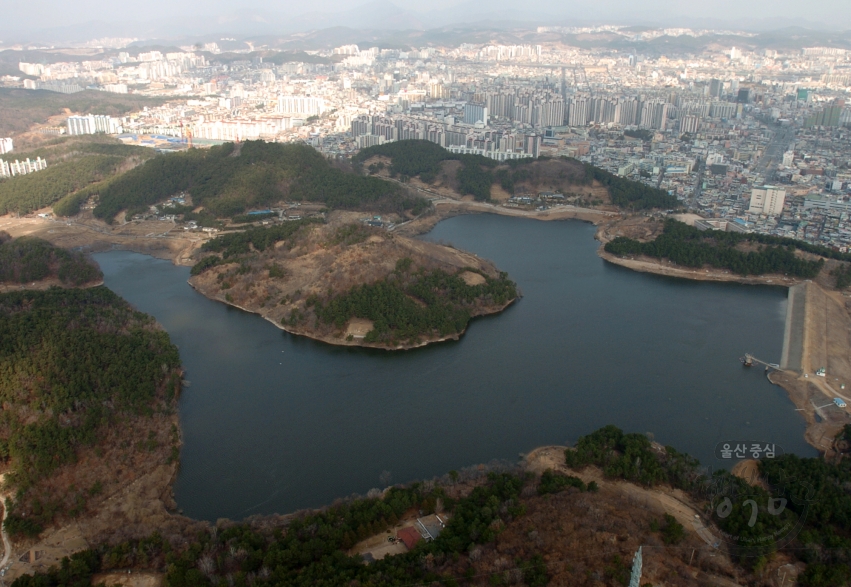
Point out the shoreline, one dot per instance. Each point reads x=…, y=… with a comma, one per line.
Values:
x=791, y=382
x=645, y=265
x=346, y=343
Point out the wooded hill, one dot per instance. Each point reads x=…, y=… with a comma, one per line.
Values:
x=76, y=365
x=690, y=247
x=28, y=259
x=413, y=304
x=74, y=166
x=315, y=278
x=813, y=491
x=477, y=174
x=232, y=178
x=510, y=527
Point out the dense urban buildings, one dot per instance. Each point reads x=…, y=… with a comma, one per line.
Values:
x=756, y=138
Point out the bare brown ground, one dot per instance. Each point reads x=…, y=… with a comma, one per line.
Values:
x=358, y=327
x=315, y=265
x=471, y=278
x=748, y=471
x=163, y=240
x=379, y=546
x=42, y=285
x=129, y=579
x=136, y=499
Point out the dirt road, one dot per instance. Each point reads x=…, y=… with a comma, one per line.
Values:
x=7, y=544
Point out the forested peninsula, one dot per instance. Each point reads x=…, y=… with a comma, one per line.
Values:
x=233, y=178
x=351, y=284
x=743, y=254
x=29, y=259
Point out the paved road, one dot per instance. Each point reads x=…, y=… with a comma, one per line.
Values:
x=698, y=184
x=778, y=145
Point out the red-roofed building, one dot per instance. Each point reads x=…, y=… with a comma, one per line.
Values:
x=409, y=536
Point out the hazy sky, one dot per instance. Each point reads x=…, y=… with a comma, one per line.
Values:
x=37, y=14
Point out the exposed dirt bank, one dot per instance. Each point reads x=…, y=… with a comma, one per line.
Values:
x=160, y=239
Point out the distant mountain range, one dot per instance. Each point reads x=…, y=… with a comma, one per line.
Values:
x=385, y=22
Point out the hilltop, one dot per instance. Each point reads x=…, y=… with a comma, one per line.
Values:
x=430, y=166
x=28, y=260
x=348, y=283
x=233, y=178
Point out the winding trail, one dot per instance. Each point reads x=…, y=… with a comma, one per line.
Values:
x=7, y=544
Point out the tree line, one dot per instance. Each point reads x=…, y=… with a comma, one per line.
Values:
x=629, y=194
x=75, y=164
x=690, y=247
x=24, y=193
x=414, y=157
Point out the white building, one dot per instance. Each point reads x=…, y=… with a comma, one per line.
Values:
x=767, y=200
x=300, y=105
x=788, y=158
x=689, y=124
x=93, y=123
x=241, y=130
x=5, y=146
x=21, y=167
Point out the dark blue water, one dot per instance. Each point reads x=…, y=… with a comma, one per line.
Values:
x=274, y=423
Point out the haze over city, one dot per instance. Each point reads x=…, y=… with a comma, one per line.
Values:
x=44, y=18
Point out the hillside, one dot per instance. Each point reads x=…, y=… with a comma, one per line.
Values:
x=89, y=389
x=230, y=179
x=21, y=109
x=77, y=167
x=486, y=179
x=349, y=283
x=30, y=259
x=563, y=516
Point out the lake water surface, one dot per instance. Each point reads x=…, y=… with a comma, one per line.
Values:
x=274, y=422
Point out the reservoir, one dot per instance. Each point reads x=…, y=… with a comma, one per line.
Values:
x=273, y=423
